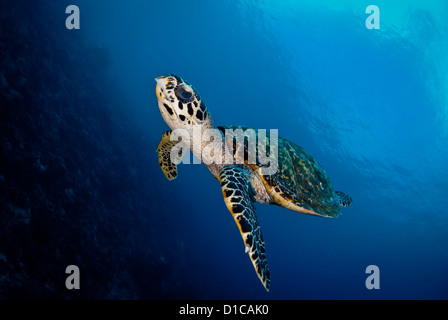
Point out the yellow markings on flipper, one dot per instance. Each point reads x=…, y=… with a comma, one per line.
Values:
x=236, y=190
x=164, y=151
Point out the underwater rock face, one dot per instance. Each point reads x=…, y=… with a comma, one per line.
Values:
x=75, y=184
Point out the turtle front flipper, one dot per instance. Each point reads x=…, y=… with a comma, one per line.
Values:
x=239, y=196
x=164, y=149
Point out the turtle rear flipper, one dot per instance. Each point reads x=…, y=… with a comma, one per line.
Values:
x=166, y=155
x=238, y=196
x=344, y=199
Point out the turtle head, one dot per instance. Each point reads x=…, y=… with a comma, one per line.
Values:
x=180, y=104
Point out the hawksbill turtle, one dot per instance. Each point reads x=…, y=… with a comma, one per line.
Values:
x=299, y=183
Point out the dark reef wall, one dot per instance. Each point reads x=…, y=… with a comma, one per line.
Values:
x=75, y=177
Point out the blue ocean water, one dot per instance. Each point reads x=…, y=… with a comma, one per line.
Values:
x=370, y=105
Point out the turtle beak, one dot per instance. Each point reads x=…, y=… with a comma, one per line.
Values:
x=160, y=81
x=161, y=89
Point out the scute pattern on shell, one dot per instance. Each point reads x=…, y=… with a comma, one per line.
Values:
x=300, y=179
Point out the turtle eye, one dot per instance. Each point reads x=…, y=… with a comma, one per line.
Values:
x=183, y=94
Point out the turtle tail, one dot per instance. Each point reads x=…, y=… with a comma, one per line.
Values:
x=344, y=199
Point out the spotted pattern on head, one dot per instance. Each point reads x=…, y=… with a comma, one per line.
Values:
x=185, y=103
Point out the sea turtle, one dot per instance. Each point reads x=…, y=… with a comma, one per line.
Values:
x=299, y=183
